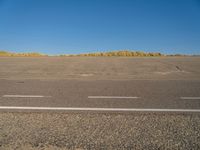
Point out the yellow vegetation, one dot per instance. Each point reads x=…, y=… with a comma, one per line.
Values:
x=120, y=53
x=123, y=53
x=10, y=54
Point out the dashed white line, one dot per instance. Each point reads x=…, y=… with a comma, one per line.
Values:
x=28, y=96
x=98, y=109
x=113, y=97
x=190, y=98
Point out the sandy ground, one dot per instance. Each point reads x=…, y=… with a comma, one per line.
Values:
x=100, y=68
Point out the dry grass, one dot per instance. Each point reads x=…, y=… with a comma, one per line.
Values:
x=123, y=53
x=10, y=54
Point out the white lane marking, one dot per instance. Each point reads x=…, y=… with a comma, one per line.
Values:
x=20, y=96
x=190, y=98
x=99, y=109
x=114, y=97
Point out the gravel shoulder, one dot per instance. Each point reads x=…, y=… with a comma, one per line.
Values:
x=48, y=131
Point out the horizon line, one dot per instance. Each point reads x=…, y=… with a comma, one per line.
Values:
x=97, y=51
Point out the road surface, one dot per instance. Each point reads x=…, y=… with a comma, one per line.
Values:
x=100, y=103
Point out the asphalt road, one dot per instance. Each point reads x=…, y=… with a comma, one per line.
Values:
x=153, y=94
x=100, y=103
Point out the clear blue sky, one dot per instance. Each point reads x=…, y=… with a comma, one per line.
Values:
x=77, y=26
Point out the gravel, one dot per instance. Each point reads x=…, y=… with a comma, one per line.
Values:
x=48, y=131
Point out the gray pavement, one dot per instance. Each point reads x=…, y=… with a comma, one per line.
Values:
x=108, y=103
x=159, y=94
